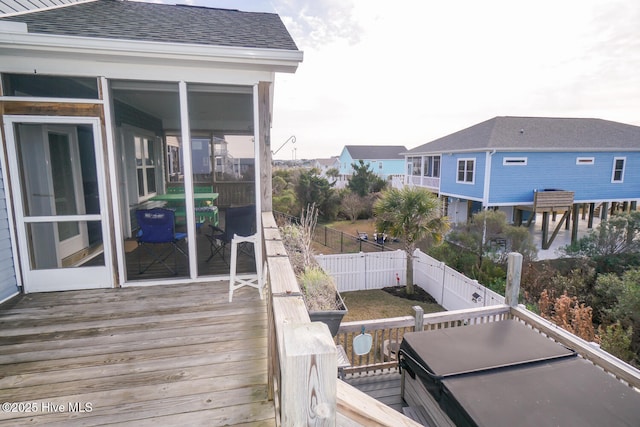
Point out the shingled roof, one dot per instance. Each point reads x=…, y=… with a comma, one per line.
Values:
x=376, y=152
x=538, y=134
x=128, y=20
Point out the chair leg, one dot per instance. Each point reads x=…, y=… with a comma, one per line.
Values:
x=160, y=257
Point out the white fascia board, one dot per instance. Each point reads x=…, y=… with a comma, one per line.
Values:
x=134, y=51
x=168, y=72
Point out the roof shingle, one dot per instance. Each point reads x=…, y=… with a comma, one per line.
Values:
x=376, y=152
x=126, y=20
x=538, y=133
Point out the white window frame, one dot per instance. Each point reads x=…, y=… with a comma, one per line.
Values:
x=466, y=171
x=144, y=167
x=514, y=161
x=613, y=171
x=585, y=161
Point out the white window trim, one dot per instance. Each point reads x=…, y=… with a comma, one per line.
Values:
x=473, y=178
x=613, y=170
x=154, y=142
x=514, y=161
x=585, y=161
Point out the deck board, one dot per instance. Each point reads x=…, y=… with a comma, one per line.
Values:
x=384, y=387
x=161, y=355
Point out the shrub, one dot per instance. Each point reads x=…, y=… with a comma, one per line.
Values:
x=319, y=289
x=617, y=340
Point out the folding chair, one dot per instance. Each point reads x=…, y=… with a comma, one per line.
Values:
x=157, y=228
x=237, y=221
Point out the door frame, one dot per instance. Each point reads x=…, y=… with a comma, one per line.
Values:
x=74, y=278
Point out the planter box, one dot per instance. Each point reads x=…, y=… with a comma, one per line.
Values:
x=331, y=318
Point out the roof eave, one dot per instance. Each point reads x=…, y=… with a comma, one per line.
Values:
x=277, y=60
x=520, y=149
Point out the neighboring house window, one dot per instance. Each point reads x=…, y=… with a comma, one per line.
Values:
x=413, y=165
x=585, y=160
x=379, y=165
x=145, y=166
x=432, y=166
x=514, y=161
x=618, y=169
x=465, y=170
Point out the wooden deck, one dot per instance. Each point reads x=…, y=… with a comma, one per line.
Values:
x=160, y=355
x=382, y=386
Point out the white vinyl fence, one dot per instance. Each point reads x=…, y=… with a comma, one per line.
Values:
x=452, y=290
x=375, y=270
x=365, y=270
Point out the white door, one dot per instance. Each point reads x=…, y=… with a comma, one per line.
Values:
x=57, y=175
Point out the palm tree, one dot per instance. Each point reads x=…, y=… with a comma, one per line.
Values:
x=411, y=214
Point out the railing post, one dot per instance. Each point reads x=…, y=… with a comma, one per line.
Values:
x=309, y=377
x=419, y=316
x=514, y=272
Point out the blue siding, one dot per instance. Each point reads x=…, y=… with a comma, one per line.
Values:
x=8, y=283
x=345, y=162
x=389, y=166
x=449, y=173
x=515, y=184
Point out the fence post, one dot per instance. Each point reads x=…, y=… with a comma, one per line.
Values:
x=419, y=326
x=514, y=271
x=444, y=267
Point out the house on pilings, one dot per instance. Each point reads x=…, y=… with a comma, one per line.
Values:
x=529, y=165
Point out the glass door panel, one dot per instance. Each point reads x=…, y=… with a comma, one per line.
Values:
x=55, y=175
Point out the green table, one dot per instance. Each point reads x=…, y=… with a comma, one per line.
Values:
x=177, y=197
x=202, y=211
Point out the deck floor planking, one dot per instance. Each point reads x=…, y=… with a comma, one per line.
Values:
x=162, y=355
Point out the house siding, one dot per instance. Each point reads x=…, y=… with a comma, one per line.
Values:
x=389, y=166
x=449, y=171
x=9, y=283
x=345, y=163
x=515, y=184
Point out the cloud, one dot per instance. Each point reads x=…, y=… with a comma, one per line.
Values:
x=420, y=70
x=314, y=24
x=407, y=72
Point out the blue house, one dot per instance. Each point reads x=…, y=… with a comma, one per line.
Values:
x=384, y=160
x=509, y=163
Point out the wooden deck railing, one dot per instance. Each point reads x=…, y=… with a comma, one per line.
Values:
x=387, y=333
x=391, y=328
x=302, y=356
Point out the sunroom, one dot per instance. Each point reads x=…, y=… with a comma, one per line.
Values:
x=98, y=131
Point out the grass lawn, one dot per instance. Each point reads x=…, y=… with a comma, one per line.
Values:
x=378, y=304
x=362, y=225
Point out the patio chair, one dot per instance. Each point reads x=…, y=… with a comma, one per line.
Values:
x=158, y=238
x=238, y=221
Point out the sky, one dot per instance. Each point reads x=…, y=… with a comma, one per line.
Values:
x=380, y=72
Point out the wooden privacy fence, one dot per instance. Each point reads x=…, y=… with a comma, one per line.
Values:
x=365, y=270
x=376, y=270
